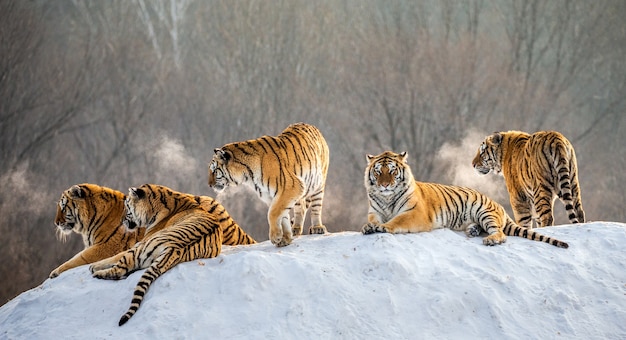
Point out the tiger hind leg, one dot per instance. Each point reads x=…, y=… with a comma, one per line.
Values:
x=315, y=203
x=544, y=203
x=522, y=211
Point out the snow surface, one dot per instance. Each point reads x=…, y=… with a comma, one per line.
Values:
x=351, y=286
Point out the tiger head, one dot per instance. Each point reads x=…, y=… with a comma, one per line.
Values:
x=489, y=155
x=146, y=206
x=223, y=171
x=71, y=211
x=387, y=173
x=81, y=205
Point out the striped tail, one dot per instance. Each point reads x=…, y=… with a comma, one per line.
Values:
x=512, y=229
x=162, y=264
x=568, y=182
x=151, y=274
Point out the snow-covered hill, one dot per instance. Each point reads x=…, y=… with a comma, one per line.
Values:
x=352, y=286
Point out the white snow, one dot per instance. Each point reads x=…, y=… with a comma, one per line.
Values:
x=347, y=285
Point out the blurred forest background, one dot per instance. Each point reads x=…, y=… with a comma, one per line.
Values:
x=122, y=93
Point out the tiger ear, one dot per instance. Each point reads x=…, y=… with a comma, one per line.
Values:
x=404, y=156
x=496, y=138
x=136, y=192
x=222, y=155
x=369, y=157
x=77, y=192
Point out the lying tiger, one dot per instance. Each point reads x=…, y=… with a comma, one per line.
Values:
x=177, y=230
x=400, y=204
x=96, y=212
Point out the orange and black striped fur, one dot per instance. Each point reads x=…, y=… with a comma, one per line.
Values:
x=537, y=169
x=97, y=212
x=287, y=171
x=400, y=204
x=177, y=230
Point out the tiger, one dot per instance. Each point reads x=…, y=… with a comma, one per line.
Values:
x=287, y=172
x=177, y=230
x=537, y=169
x=96, y=212
x=400, y=204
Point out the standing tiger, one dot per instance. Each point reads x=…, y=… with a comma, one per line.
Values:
x=287, y=171
x=96, y=213
x=177, y=230
x=537, y=169
x=400, y=204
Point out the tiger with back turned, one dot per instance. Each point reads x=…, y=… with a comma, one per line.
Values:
x=400, y=204
x=177, y=230
x=96, y=212
x=537, y=169
x=287, y=171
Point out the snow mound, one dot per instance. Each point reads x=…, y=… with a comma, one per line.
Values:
x=439, y=284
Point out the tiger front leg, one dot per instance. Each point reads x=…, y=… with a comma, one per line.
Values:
x=77, y=260
x=544, y=202
x=280, y=227
x=114, y=267
x=403, y=223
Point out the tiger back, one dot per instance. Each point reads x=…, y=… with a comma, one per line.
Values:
x=287, y=172
x=96, y=213
x=537, y=169
x=400, y=204
x=177, y=230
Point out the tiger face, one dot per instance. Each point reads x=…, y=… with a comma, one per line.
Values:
x=489, y=155
x=144, y=210
x=385, y=173
x=222, y=171
x=70, y=210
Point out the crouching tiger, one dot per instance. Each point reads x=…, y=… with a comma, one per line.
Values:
x=96, y=213
x=287, y=171
x=185, y=232
x=400, y=204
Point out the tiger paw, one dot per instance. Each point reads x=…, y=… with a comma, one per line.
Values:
x=54, y=273
x=494, y=239
x=282, y=242
x=296, y=230
x=473, y=230
x=317, y=229
x=370, y=228
x=108, y=274
x=102, y=274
